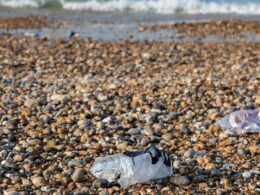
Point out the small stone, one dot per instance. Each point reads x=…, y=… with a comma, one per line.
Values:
x=17, y=158
x=247, y=174
x=133, y=131
x=210, y=166
x=180, y=180
x=213, y=116
x=38, y=181
x=257, y=99
x=75, y=163
x=194, y=138
x=3, y=154
x=189, y=153
x=222, y=191
x=29, y=103
x=109, y=120
x=79, y=176
x=82, y=123
x=215, y=172
x=254, y=149
x=144, y=141
x=100, y=183
x=173, y=115
x=101, y=97
x=148, y=131
x=33, y=142
x=146, y=55
x=11, y=193
x=213, y=140
x=25, y=182
x=50, y=145
x=223, y=135
x=184, y=129
x=176, y=164
x=83, y=191
x=167, y=136
x=58, y=97
x=134, y=102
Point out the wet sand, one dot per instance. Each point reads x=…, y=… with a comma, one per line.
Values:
x=66, y=102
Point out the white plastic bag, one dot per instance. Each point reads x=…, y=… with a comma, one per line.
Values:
x=242, y=121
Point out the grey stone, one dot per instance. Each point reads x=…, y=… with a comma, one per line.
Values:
x=180, y=180
x=75, y=163
x=79, y=176
x=189, y=153
x=133, y=131
x=3, y=154
x=173, y=115
x=100, y=183
x=184, y=129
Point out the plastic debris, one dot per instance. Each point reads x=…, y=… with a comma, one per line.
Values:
x=132, y=167
x=73, y=34
x=32, y=34
x=242, y=121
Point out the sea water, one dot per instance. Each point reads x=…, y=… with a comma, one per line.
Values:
x=157, y=6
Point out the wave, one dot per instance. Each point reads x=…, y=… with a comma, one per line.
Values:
x=158, y=6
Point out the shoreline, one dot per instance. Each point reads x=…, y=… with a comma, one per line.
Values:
x=52, y=26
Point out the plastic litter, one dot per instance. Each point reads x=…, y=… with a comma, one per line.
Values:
x=132, y=167
x=242, y=121
x=73, y=34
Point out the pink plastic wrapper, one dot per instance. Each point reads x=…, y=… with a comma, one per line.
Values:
x=242, y=121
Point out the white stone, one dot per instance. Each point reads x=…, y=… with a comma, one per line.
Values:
x=58, y=97
x=247, y=174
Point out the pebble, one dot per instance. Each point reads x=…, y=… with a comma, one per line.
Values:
x=82, y=123
x=247, y=174
x=180, y=181
x=176, y=164
x=3, y=154
x=50, y=145
x=31, y=103
x=189, y=153
x=184, y=129
x=222, y=191
x=79, y=175
x=167, y=136
x=17, y=158
x=173, y=115
x=101, y=183
x=148, y=131
x=194, y=138
x=58, y=97
x=75, y=163
x=209, y=166
x=133, y=131
x=146, y=55
x=38, y=181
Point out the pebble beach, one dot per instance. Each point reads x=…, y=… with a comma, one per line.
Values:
x=66, y=102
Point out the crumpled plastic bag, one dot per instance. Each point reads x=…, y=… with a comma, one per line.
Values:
x=242, y=121
x=132, y=167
